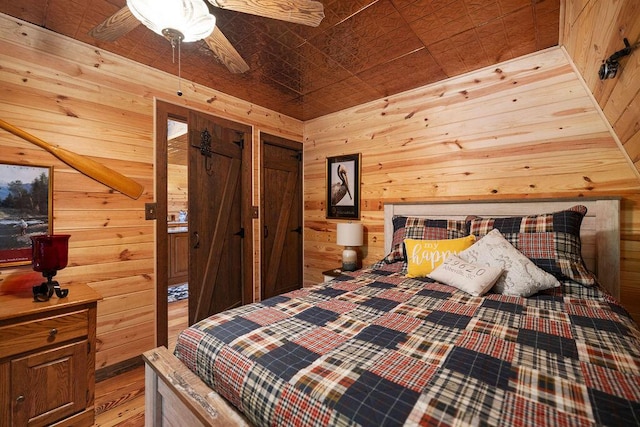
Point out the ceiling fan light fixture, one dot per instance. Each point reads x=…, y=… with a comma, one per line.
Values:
x=191, y=18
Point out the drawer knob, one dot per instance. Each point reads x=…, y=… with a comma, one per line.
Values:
x=53, y=332
x=20, y=398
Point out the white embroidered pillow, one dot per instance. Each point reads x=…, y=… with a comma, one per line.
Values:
x=521, y=277
x=471, y=278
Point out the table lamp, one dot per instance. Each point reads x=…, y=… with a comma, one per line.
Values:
x=349, y=235
x=49, y=254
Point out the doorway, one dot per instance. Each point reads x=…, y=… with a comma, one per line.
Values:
x=198, y=223
x=177, y=227
x=282, y=215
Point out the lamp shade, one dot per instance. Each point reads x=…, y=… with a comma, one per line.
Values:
x=349, y=234
x=190, y=17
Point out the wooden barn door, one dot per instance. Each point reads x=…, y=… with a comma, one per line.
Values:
x=281, y=216
x=218, y=215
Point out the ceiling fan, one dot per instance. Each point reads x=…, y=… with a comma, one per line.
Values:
x=306, y=12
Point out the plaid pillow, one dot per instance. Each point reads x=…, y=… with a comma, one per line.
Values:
x=424, y=229
x=551, y=241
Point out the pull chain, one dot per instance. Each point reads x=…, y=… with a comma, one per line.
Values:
x=179, y=68
x=172, y=36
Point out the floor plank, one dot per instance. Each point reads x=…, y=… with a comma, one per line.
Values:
x=120, y=399
x=178, y=320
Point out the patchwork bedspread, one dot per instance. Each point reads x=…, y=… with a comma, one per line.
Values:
x=377, y=349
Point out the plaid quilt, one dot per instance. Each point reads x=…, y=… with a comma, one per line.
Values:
x=379, y=349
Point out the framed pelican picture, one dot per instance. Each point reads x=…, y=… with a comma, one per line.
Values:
x=343, y=186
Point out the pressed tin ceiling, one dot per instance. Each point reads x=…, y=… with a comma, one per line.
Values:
x=363, y=49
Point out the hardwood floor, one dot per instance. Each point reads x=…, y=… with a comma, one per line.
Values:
x=120, y=399
x=178, y=320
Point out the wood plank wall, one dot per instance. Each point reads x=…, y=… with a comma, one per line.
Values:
x=102, y=106
x=177, y=176
x=177, y=190
x=593, y=31
x=527, y=128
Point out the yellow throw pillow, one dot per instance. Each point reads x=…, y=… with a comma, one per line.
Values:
x=425, y=255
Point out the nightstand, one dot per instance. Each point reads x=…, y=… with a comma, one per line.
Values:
x=331, y=274
x=47, y=358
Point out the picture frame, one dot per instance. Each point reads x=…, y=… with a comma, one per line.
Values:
x=343, y=187
x=26, y=198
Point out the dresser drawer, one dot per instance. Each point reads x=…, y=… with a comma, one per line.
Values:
x=25, y=336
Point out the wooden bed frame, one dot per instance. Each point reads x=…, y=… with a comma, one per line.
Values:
x=176, y=396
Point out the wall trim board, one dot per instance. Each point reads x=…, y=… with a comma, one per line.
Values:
x=118, y=368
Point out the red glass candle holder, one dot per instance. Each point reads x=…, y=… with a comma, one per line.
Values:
x=49, y=254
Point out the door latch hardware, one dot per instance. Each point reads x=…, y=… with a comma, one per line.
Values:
x=205, y=150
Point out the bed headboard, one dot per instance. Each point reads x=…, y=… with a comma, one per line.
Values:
x=600, y=231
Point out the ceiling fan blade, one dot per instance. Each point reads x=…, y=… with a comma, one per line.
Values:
x=226, y=53
x=306, y=12
x=82, y=164
x=115, y=26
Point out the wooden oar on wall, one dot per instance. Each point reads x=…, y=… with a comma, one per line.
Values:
x=82, y=164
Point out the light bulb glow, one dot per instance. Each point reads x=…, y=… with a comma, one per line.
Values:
x=189, y=17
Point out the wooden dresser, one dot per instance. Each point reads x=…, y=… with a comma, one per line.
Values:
x=178, y=257
x=47, y=358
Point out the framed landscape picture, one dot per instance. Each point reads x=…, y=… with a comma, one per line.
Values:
x=26, y=194
x=343, y=186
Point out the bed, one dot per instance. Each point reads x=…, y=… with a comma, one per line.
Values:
x=375, y=347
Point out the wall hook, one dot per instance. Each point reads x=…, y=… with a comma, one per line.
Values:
x=609, y=67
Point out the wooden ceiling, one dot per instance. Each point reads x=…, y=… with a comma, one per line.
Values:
x=363, y=50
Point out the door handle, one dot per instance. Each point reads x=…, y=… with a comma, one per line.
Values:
x=266, y=232
x=196, y=236
x=297, y=230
